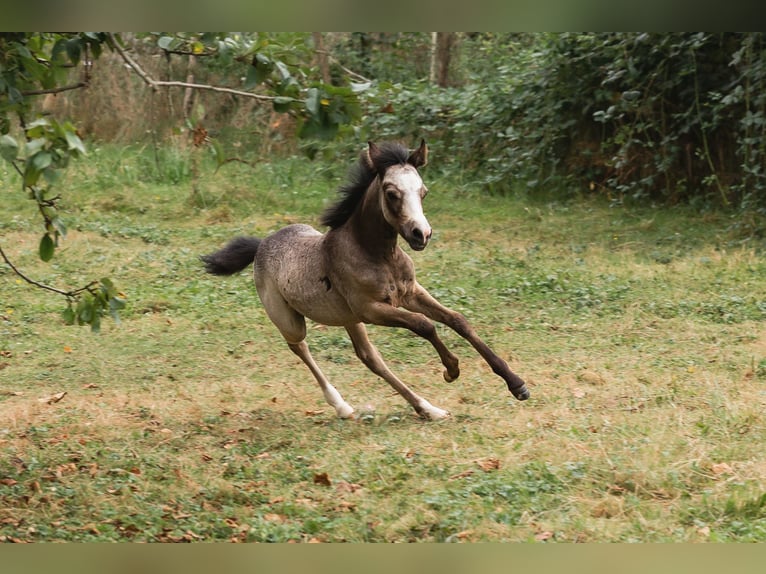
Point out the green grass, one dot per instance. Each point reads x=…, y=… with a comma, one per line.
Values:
x=640, y=332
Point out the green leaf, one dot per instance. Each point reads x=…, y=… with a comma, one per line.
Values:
x=282, y=104
x=312, y=101
x=95, y=322
x=35, y=145
x=263, y=67
x=74, y=142
x=74, y=50
x=166, y=42
x=47, y=247
x=251, y=80
x=31, y=175
x=41, y=160
x=361, y=87
x=9, y=147
x=107, y=285
x=85, y=311
x=59, y=226
x=68, y=315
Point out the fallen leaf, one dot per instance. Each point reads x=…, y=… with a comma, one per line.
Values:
x=314, y=413
x=272, y=517
x=64, y=469
x=91, y=386
x=231, y=523
x=722, y=468
x=322, y=478
x=591, y=377
x=489, y=464
x=543, y=536
x=262, y=455
x=53, y=398
x=463, y=474
x=344, y=486
x=8, y=481
x=67, y=349
x=578, y=393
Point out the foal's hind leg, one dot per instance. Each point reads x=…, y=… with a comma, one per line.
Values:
x=331, y=394
x=292, y=325
x=370, y=356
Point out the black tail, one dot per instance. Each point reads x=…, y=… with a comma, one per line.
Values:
x=235, y=256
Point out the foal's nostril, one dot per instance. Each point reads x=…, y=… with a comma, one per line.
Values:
x=421, y=236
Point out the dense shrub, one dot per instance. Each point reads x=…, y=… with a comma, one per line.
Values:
x=652, y=117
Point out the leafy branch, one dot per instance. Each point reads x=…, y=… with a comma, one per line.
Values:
x=32, y=65
x=70, y=295
x=154, y=84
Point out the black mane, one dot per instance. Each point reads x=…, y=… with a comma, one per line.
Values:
x=360, y=178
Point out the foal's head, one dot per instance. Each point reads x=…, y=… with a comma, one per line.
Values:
x=401, y=192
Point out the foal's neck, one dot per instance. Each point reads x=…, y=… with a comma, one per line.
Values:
x=371, y=230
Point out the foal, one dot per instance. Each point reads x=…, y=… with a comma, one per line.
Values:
x=356, y=273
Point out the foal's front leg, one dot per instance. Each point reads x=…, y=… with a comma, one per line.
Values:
x=388, y=316
x=421, y=301
x=370, y=356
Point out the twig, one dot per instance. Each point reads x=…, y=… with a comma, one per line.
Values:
x=68, y=294
x=154, y=84
x=55, y=90
x=352, y=73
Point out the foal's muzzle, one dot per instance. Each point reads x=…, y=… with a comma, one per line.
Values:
x=417, y=236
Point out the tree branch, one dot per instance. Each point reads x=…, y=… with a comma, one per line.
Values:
x=154, y=84
x=68, y=294
x=55, y=90
x=351, y=73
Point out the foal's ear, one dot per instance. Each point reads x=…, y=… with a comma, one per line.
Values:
x=373, y=153
x=419, y=157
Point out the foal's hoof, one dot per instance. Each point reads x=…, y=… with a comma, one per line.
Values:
x=430, y=412
x=521, y=393
x=345, y=412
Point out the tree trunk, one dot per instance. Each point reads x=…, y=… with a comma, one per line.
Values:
x=321, y=54
x=442, y=48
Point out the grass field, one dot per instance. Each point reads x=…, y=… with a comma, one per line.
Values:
x=640, y=333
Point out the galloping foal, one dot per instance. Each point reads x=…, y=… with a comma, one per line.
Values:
x=356, y=273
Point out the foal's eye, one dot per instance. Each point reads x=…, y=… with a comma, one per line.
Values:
x=393, y=195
